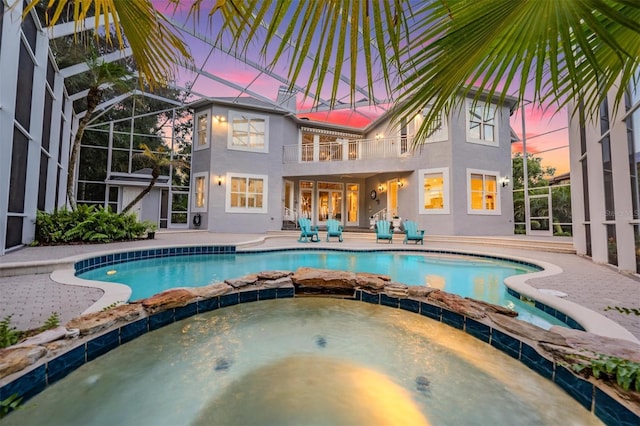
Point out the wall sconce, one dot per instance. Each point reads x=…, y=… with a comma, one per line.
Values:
x=219, y=118
x=379, y=135
x=505, y=181
x=381, y=188
x=399, y=183
x=219, y=180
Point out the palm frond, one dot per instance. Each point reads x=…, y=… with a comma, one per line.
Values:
x=319, y=37
x=156, y=48
x=565, y=51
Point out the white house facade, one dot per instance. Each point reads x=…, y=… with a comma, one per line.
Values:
x=256, y=168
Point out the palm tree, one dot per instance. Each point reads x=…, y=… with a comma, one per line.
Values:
x=156, y=161
x=100, y=73
x=429, y=53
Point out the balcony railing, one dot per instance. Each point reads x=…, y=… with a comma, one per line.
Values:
x=348, y=150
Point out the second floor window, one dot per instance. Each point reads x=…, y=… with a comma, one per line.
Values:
x=481, y=123
x=202, y=128
x=248, y=132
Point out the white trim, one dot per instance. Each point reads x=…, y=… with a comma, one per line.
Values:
x=250, y=116
x=445, y=191
x=496, y=125
x=265, y=193
x=495, y=212
x=205, y=192
x=197, y=146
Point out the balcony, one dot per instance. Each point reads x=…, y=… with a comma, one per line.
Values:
x=347, y=150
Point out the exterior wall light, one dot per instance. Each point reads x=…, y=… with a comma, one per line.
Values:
x=381, y=188
x=219, y=180
x=505, y=181
x=399, y=183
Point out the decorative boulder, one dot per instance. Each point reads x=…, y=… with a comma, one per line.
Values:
x=167, y=300
x=324, y=280
x=14, y=359
x=98, y=321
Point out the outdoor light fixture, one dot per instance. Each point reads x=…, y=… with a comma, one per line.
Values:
x=505, y=181
x=399, y=183
x=219, y=180
x=381, y=188
x=218, y=118
x=379, y=135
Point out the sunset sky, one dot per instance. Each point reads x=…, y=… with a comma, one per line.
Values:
x=225, y=76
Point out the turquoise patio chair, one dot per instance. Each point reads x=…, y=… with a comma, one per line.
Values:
x=412, y=233
x=307, y=231
x=334, y=229
x=383, y=231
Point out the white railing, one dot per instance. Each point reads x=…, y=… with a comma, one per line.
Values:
x=358, y=149
x=291, y=215
x=379, y=215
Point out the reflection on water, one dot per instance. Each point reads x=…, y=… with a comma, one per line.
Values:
x=270, y=361
x=313, y=390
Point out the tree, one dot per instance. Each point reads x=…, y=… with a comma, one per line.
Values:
x=156, y=161
x=537, y=172
x=100, y=73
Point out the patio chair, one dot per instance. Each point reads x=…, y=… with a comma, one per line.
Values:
x=307, y=231
x=383, y=231
x=412, y=233
x=334, y=229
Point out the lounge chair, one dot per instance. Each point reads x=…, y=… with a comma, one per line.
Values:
x=412, y=233
x=383, y=231
x=334, y=229
x=307, y=231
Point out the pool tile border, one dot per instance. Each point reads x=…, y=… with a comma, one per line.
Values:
x=584, y=392
x=92, y=263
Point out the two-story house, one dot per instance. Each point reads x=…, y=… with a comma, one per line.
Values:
x=255, y=167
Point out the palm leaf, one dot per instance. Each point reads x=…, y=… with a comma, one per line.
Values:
x=156, y=48
x=566, y=51
x=319, y=37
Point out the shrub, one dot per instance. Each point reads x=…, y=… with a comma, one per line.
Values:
x=86, y=224
x=8, y=334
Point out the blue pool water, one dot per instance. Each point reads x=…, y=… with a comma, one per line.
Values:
x=475, y=277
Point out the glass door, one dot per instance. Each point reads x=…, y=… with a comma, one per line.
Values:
x=306, y=199
x=329, y=202
x=352, y=204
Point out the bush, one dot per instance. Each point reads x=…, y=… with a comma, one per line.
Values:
x=86, y=224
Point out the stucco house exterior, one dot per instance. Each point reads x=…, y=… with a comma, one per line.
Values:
x=256, y=168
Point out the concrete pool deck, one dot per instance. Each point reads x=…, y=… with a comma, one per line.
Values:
x=30, y=295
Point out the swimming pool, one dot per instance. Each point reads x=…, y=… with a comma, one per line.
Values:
x=304, y=361
x=477, y=277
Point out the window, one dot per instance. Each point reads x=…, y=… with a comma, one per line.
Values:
x=247, y=193
x=200, y=190
x=433, y=193
x=203, y=130
x=248, y=132
x=481, y=123
x=483, y=192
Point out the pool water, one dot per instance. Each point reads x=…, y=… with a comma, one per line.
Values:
x=304, y=361
x=467, y=276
